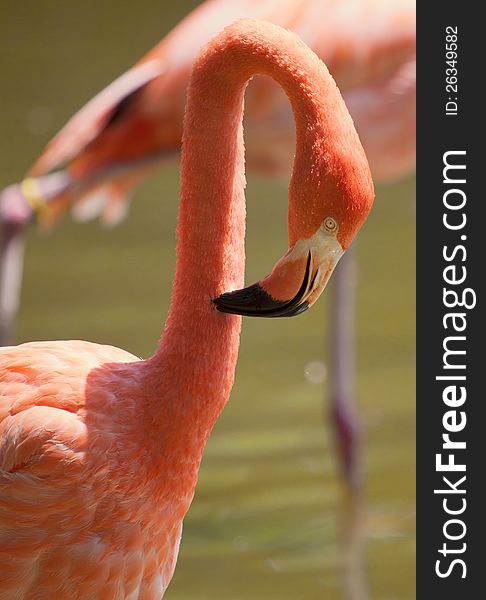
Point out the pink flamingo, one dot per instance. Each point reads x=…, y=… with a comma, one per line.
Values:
x=100, y=450
x=125, y=132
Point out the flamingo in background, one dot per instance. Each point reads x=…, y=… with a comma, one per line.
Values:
x=125, y=132
x=99, y=450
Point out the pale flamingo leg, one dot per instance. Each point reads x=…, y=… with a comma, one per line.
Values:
x=11, y=269
x=344, y=412
x=348, y=427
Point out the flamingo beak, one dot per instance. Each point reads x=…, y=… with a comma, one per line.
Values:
x=295, y=283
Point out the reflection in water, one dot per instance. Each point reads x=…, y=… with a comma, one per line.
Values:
x=353, y=539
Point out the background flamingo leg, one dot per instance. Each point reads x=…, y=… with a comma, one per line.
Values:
x=342, y=357
x=11, y=269
x=347, y=426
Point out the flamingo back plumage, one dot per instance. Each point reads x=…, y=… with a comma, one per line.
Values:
x=77, y=511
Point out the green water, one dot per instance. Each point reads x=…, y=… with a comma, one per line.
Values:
x=266, y=516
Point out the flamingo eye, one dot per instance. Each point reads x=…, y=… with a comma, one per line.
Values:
x=330, y=225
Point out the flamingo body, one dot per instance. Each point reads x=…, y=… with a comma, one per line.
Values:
x=70, y=420
x=101, y=450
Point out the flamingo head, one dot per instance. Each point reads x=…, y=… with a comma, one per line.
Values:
x=301, y=275
x=325, y=214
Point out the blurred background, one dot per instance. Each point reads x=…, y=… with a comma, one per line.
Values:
x=266, y=518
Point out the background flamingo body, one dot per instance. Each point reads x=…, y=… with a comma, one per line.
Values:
x=114, y=142
x=100, y=450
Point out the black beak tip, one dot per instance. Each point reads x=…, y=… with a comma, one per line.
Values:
x=254, y=301
x=250, y=301
x=301, y=308
x=221, y=303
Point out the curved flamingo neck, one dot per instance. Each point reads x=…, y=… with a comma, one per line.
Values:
x=198, y=351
